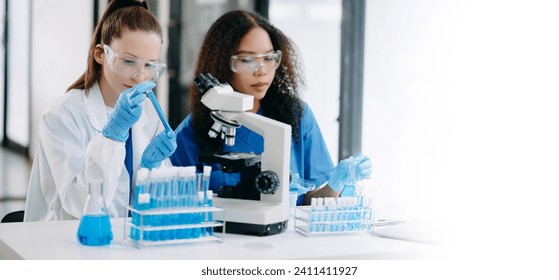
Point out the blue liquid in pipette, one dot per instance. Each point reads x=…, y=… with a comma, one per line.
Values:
x=159, y=111
x=95, y=230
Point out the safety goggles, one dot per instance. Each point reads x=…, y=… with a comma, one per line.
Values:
x=251, y=63
x=129, y=67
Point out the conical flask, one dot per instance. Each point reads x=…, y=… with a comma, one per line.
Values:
x=95, y=226
x=352, y=178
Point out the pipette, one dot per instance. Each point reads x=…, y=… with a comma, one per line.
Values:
x=159, y=111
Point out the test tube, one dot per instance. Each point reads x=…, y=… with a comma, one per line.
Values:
x=190, y=182
x=162, y=202
x=321, y=214
x=192, y=195
x=198, y=217
x=353, y=213
x=207, y=170
x=206, y=182
x=139, y=189
x=175, y=200
x=210, y=218
x=345, y=213
x=159, y=111
x=155, y=189
x=332, y=209
x=312, y=214
x=182, y=193
x=292, y=204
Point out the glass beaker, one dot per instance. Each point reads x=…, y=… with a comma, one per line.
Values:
x=95, y=226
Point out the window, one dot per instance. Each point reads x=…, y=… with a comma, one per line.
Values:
x=407, y=127
x=18, y=81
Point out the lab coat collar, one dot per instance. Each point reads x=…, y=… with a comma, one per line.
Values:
x=95, y=106
x=143, y=120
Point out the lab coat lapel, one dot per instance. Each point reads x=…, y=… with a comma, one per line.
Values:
x=140, y=137
x=95, y=106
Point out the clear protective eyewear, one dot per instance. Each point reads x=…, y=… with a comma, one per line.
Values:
x=130, y=67
x=251, y=63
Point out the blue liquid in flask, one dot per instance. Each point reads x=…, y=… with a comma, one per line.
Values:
x=95, y=230
x=95, y=226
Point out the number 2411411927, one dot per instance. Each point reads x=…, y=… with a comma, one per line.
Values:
x=334, y=270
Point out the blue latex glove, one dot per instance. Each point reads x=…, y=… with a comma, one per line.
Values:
x=127, y=111
x=161, y=147
x=295, y=185
x=359, y=164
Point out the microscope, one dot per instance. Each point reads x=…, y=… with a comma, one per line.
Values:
x=259, y=203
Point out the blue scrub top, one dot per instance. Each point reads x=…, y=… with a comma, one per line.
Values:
x=309, y=156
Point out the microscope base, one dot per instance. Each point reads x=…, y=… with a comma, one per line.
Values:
x=252, y=217
x=252, y=229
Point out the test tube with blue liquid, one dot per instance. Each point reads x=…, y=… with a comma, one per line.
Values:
x=155, y=193
x=192, y=198
x=209, y=193
x=175, y=199
x=312, y=214
x=183, y=198
x=179, y=204
x=140, y=202
x=166, y=203
x=207, y=170
x=159, y=111
x=197, y=232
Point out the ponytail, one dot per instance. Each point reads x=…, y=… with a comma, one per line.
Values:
x=122, y=14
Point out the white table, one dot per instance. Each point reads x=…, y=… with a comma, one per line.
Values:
x=57, y=241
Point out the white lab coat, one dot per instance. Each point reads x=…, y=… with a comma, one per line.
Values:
x=72, y=150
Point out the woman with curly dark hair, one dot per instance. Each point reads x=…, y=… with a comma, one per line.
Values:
x=255, y=58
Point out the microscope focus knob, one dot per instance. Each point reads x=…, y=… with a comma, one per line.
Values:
x=267, y=182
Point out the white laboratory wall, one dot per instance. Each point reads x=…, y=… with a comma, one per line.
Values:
x=61, y=32
x=408, y=103
x=461, y=115
x=315, y=27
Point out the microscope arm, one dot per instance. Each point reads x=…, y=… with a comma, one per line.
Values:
x=277, y=149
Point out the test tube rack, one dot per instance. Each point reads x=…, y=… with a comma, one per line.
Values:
x=310, y=221
x=165, y=226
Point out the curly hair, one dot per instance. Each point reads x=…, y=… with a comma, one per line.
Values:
x=281, y=103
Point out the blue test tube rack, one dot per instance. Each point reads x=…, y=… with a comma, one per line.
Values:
x=342, y=215
x=169, y=208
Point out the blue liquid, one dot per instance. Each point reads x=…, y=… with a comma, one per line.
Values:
x=95, y=230
x=210, y=217
x=134, y=232
x=348, y=191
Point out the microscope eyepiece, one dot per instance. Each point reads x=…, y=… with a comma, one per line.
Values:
x=205, y=82
x=212, y=79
